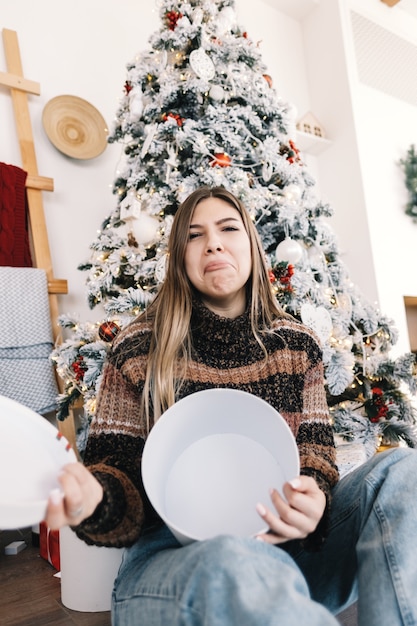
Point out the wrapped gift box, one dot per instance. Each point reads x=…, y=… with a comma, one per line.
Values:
x=49, y=545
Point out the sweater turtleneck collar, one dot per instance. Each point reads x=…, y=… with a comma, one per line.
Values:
x=203, y=317
x=216, y=337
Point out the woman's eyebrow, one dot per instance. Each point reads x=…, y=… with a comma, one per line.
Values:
x=219, y=222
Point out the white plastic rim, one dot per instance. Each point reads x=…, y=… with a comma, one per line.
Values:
x=32, y=453
x=211, y=458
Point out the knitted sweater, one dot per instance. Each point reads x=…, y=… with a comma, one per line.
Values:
x=225, y=354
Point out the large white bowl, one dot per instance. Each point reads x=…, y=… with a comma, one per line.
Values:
x=32, y=452
x=211, y=458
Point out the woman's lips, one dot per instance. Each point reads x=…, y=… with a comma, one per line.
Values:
x=216, y=265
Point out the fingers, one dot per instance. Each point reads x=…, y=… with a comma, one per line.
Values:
x=55, y=513
x=72, y=485
x=306, y=498
x=75, y=500
x=285, y=523
x=276, y=535
x=297, y=514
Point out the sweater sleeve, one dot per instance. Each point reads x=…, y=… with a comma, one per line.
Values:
x=316, y=444
x=315, y=435
x=113, y=455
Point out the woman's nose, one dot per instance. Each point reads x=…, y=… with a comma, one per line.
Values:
x=214, y=245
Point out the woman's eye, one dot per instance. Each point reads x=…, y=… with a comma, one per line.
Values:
x=193, y=236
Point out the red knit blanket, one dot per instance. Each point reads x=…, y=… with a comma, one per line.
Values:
x=14, y=236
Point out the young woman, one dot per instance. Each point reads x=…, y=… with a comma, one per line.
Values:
x=216, y=323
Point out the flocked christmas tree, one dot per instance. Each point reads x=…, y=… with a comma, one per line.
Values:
x=199, y=108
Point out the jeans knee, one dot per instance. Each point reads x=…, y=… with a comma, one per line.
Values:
x=223, y=553
x=231, y=549
x=233, y=557
x=255, y=571
x=225, y=545
x=401, y=457
x=396, y=467
x=404, y=460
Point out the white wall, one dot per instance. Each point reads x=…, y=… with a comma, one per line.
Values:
x=386, y=126
x=82, y=49
x=393, y=234
x=339, y=171
x=359, y=174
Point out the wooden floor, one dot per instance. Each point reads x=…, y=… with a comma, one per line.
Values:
x=30, y=595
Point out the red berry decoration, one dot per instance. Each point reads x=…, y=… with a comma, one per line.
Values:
x=79, y=368
x=222, y=159
x=107, y=331
x=172, y=18
x=377, y=407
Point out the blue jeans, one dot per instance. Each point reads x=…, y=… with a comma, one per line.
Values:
x=370, y=555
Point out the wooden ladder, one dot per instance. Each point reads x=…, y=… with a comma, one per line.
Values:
x=35, y=185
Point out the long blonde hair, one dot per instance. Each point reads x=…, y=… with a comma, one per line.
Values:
x=170, y=312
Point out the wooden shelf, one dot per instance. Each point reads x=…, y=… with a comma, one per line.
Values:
x=307, y=142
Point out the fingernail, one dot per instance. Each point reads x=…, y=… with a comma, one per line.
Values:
x=56, y=496
x=261, y=509
x=258, y=538
x=295, y=483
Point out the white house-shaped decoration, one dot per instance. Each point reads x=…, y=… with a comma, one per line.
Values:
x=310, y=125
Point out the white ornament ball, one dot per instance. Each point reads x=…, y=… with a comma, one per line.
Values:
x=289, y=251
x=144, y=228
x=216, y=93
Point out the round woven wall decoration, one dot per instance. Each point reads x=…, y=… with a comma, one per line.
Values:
x=75, y=127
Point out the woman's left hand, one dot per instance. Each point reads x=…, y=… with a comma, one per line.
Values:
x=76, y=499
x=298, y=515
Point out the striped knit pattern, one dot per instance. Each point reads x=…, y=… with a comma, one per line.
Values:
x=225, y=354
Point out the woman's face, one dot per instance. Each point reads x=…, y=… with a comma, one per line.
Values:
x=218, y=257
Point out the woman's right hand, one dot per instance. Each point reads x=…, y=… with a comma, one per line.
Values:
x=77, y=499
x=296, y=516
